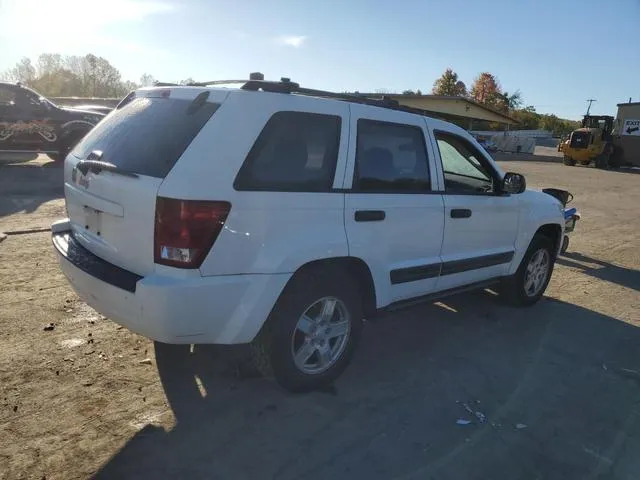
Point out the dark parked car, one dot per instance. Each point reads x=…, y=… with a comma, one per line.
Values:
x=31, y=123
x=94, y=108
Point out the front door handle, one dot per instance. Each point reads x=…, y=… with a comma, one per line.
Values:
x=369, y=215
x=460, y=213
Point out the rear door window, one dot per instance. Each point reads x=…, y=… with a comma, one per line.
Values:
x=148, y=135
x=295, y=152
x=391, y=158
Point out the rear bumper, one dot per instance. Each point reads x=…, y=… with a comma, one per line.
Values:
x=225, y=309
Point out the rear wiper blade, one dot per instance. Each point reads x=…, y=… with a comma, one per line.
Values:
x=97, y=166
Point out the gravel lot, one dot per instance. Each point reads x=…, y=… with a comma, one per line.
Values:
x=559, y=383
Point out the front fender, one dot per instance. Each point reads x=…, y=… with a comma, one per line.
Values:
x=536, y=210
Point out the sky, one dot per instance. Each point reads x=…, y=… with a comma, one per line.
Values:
x=558, y=53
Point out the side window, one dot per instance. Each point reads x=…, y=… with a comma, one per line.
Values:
x=390, y=157
x=7, y=96
x=295, y=152
x=464, y=167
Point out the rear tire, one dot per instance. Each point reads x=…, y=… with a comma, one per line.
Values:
x=602, y=161
x=297, y=329
x=567, y=160
x=530, y=281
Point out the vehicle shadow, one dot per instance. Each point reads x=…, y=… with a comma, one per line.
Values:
x=24, y=187
x=558, y=385
x=609, y=272
x=627, y=169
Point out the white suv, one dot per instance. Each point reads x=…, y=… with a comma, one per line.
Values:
x=282, y=217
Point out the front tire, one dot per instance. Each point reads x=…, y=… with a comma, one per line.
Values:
x=529, y=283
x=567, y=160
x=310, y=335
x=66, y=145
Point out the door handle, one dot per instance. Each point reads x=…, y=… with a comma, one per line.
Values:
x=369, y=215
x=460, y=213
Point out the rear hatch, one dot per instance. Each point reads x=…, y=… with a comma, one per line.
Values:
x=113, y=175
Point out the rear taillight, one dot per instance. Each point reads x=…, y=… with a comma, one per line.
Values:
x=185, y=230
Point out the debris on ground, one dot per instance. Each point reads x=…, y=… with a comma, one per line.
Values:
x=87, y=383
x=49, y=327
x=482, y=418
x=3, y=236
x=102, y=355
x=462, y=421
x=146, y=361
x=520, y=426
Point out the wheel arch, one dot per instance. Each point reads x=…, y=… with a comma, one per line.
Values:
x=547, y=227
x=74, y=129
x=353, y=266
x=553, y=232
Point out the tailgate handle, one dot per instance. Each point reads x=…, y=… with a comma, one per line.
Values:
x=370, y=215
x=460, y=213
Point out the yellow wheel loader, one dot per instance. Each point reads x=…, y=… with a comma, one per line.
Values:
x=592, y=142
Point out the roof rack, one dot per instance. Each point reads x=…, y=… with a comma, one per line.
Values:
x=285, y=85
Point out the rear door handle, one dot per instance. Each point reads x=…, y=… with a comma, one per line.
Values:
x=369, y=215
x=460, y=213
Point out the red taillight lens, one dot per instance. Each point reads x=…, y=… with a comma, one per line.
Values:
x=185, y=230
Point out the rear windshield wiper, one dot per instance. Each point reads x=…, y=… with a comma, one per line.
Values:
x=97, y=166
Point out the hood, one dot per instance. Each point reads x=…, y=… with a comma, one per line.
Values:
x=87, y=115
x=93, y=108
x=538, y=197
x=85, y=109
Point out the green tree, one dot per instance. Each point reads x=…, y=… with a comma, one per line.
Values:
x=23, y=72
x=528, y=118
x=449, y=85
x=54, y=76
x=147, y=80
x=511, y=102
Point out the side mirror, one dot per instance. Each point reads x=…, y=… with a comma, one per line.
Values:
x=513, y=183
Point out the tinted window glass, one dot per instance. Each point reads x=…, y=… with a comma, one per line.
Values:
x=7, y=96
x=295, y=152
x=390, y=157
x=462, y=164
x=148, y=135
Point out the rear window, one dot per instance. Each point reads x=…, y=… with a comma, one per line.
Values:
x=295, y=152
x=147, y=135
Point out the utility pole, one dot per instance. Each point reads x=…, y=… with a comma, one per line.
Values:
x=591, y=100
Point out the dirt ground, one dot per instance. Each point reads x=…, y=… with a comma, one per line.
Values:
x=558, y=384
